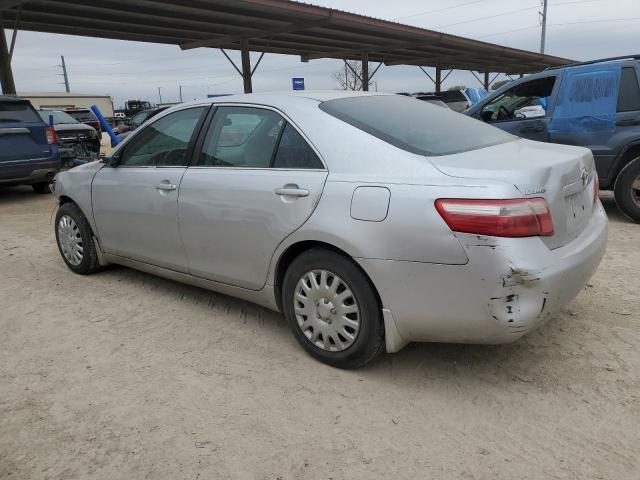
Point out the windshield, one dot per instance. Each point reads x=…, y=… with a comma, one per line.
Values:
x=58, y=117
x=415, y=126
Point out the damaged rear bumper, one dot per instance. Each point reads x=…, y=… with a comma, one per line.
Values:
x=509, y=287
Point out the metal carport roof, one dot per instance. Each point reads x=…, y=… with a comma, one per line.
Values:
x=273, y=26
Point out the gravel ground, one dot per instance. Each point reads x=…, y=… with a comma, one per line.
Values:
x=122, y=375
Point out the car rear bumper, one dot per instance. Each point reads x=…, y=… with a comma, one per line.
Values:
x=29, y=171
x=508, y=288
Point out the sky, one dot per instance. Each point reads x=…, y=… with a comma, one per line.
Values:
x=577, y=29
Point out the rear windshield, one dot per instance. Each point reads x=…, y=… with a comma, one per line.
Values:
x=83, y=116
x=17, y=112
x=415, y=126
x=58, y=117
x=453, y=96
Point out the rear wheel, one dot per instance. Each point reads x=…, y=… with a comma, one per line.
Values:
x=42, y=187
x=333, y=309
x=627, y=190
x=75, y=240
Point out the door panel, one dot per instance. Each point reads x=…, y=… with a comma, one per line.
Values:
x=232, y=219
x=524, y=109
x=135, y=204
x=136, y=213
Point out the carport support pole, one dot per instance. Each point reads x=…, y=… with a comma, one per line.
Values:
x=365, y=72
x=486, y=81
x=246, y=66
x=6, y=74
x=438, y=79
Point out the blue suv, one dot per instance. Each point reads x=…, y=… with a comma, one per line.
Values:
x=28, y=151
x=592, y=104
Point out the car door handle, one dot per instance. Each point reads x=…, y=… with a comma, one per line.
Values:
x=166, y=186
x=292, y=192
x=536, y=129
x=628, y=122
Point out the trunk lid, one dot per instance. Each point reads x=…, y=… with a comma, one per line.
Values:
x=563, y=175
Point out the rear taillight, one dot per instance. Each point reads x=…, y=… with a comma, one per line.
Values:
x=52, y=136
x=596, y=187
x=518, y=217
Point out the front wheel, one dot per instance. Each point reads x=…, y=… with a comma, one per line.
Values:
x=75, y=240
x=333, y=309
x=627, y=190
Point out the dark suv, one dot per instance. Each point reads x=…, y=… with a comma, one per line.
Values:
x=28, y=151
x=592, y=104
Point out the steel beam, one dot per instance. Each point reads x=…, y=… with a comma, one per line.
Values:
x=365, y=72
x=246, y=66
x=227, y=39
x=6, y=74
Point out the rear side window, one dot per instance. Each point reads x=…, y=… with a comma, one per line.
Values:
x=295, y=152
x=241, y=137
x=629, y=95
x=415, y=126
x=18, y=112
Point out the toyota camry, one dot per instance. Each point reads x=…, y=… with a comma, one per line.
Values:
x=368, y=220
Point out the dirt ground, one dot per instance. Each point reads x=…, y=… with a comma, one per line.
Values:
x=122, y=375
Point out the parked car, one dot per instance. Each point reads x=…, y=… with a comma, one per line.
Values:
x=456, y=100
x=86, y=116
x=431, y=98
x=138, y=119
x=28, y=151
x=368, y=219
x=75, y=140
x=599, y=109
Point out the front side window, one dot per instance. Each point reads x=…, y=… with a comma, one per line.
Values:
x=241, y=137
x=164, y=142
x=415, y=126
x=526, y=100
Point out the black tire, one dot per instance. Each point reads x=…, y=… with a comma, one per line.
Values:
x=42, y=187
x=89, y=263
x=369, y=341
x=627, y=197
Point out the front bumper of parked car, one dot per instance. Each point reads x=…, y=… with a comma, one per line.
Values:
x=509, y=287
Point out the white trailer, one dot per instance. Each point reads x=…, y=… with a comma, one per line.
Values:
x=65, y=101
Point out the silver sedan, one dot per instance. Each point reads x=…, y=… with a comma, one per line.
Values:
x=369, y=220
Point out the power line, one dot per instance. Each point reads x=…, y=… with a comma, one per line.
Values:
x=438, y=10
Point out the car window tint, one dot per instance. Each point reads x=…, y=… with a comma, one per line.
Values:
x=241, y=137
x=526, y=100
x=629, y=95
x=294, y=151
x=164, y=142
x=17, y=112
x=415, y=126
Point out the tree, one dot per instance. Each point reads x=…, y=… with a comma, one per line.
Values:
x=347, y=79
x=457, y=87
x=499, y=84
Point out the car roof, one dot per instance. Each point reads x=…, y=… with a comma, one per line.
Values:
x=12, y=98
x=282, y=99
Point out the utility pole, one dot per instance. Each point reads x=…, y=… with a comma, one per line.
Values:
x=64, y=74
x=180, y=93
x=544, y=25
x=160, y=93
